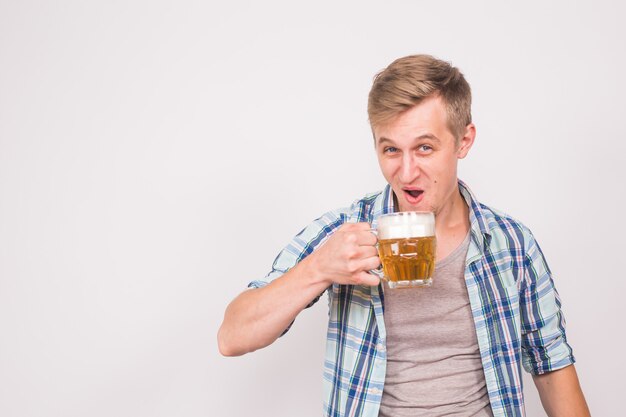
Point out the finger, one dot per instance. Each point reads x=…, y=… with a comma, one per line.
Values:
x=356, y=226
x=363, y=264
x=373, y=262
x=366, y=238
x=367, y=252
x=366, y=278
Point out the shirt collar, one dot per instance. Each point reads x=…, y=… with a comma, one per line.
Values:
x=382, y=205
x=478, y=218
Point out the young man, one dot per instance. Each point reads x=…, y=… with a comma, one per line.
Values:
x=453, y=349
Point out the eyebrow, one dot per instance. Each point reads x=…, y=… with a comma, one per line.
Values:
x=424, y=136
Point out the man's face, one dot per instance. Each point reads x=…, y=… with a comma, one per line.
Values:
x=418, y=157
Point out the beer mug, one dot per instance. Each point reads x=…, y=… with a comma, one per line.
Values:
x=407, y=248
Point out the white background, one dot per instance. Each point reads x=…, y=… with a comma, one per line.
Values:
x=156, y=155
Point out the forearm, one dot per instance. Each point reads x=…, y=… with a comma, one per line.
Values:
x=257, y=317
x=560, y=393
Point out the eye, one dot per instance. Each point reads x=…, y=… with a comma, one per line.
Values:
x=425, y=148
x=390, y=150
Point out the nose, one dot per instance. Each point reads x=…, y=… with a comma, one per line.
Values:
x=410, y=170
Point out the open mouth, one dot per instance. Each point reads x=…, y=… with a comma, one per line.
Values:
x=413, y=196
x=414, y=193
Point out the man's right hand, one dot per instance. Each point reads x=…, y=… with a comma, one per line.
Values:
x=259, y=316
x=347, y=256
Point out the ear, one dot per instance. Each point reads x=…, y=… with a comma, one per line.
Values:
x=466, y=142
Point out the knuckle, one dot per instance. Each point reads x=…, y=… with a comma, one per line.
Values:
x=351, y=238
x=352, y=267
x=357, y=278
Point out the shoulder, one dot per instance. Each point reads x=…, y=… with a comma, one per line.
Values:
x=363, y=208
x=506, y=230
x=360, y=210
x=497, y=219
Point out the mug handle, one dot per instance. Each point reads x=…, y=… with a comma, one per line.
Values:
x=378, y=271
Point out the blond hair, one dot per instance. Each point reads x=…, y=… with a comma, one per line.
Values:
x=409, y=80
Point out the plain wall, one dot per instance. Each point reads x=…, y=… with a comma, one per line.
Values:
x=155, y=156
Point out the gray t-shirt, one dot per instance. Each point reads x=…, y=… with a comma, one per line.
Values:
x=433, y=362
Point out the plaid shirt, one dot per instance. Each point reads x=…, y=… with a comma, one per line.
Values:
x=516, y=310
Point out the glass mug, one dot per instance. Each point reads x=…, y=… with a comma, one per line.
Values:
x=407, y=248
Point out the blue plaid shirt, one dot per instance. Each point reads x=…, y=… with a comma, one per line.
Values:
x=516, y=310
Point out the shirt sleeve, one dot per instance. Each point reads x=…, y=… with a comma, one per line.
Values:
x=544, y=343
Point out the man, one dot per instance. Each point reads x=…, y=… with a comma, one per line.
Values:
x=454, y=349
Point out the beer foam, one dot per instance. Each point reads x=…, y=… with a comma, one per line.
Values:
x=406, y=224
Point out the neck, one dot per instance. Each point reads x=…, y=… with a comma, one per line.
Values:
x=454, y=216
x=451, y=225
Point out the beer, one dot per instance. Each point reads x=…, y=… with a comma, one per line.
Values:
x=408, y=262
x=407, y=248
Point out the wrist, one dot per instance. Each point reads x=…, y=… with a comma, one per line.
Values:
x=312, y=274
